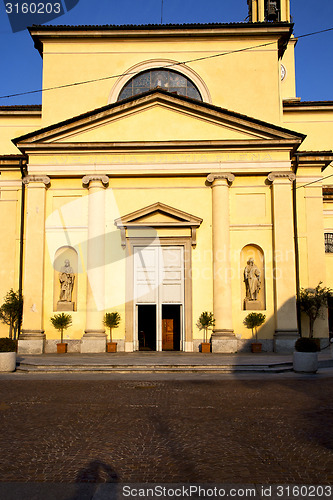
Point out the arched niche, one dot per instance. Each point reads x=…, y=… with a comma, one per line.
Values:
x=65, y=287
x=252, y=300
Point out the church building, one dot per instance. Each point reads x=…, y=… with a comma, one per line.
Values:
x=170, y=170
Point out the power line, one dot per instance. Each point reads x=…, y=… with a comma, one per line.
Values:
x=313, y=182
x=221, y=54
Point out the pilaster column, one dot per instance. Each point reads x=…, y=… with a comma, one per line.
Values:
x=32, y=335
x=286, y=330
x=223, y=338
x=94, y=339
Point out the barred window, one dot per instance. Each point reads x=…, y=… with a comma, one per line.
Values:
x=328, y=242
x=169, y=80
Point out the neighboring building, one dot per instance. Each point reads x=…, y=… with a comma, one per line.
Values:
x=175, y=188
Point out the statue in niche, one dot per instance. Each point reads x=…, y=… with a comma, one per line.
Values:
x=252, y=280
x=66, y=278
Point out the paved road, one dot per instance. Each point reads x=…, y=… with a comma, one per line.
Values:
x=276, y=430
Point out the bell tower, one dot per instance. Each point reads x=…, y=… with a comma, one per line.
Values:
x=269, y=11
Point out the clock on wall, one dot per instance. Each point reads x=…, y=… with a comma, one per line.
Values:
x=283, y=72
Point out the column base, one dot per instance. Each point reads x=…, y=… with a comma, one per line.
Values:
x=31, y=342
x=284, y=341
x=224, y=341
x=129, y=346
x=188, y=346
x=93, y=341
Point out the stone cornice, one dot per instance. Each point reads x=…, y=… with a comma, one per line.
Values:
x=223, y=175
x=281, y=175
x=104, y=179
x=37, y=178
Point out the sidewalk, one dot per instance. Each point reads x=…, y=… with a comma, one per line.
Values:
x=162, y=362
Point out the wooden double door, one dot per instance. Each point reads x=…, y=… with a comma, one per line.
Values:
x=171, y=321
x=170, y=325
x=159, y=294
x=167, y=334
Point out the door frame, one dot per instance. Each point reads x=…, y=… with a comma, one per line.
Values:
x=131, y=337
x=159, y=304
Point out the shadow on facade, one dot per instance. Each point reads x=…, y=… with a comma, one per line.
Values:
x=286, y=331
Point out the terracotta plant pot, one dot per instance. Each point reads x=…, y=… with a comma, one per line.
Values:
x=256, y=347
x=62, y=348
x=205, y=347
x=111, y=347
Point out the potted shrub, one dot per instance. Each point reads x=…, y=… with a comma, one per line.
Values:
x=305, y=357
x=11, y=312
x=253, y=321
x=312, y=302
x=206, y=321
x=61, y=322
x=111, y=320
x=7, y=355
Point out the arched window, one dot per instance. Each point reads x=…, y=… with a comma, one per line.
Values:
x=167, y=79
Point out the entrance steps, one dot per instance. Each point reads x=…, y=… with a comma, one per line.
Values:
x=159, y=363
x=154, y=369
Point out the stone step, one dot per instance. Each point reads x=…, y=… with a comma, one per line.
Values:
x=65, y=368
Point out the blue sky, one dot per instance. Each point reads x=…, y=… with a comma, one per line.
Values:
x=21, y=64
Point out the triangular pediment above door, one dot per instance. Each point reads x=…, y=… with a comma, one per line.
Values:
x=158, y=215
x=157, y=117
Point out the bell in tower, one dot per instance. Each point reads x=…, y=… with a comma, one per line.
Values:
x=272, y=10
x=269, y=11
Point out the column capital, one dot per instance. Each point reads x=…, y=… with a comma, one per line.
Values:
x=37, y=178
x=228, y=176
x=104, y=179
x=281, y=175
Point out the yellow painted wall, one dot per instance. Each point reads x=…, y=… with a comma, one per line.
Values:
x=288, y=84
x=14, y=126
x=10, y=214
x=247, y=82
x=317, y=125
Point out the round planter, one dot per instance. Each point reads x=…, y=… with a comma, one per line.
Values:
x=7, y=361
x=305, y=362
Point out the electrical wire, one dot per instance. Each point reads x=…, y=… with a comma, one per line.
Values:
x=162, y=67
x=171, y=65
x=313, y=182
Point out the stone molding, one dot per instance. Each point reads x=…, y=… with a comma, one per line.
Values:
x=32, y=334
x=104, y=179
x=223, y=333
x=278, y=175
x=37, y=178
x=94, y=333
x=227, y=175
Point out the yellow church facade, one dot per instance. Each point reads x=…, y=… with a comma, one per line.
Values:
x=181, y=175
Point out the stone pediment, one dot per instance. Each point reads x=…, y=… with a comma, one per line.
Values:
x=158, y=215
x=158, y=117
